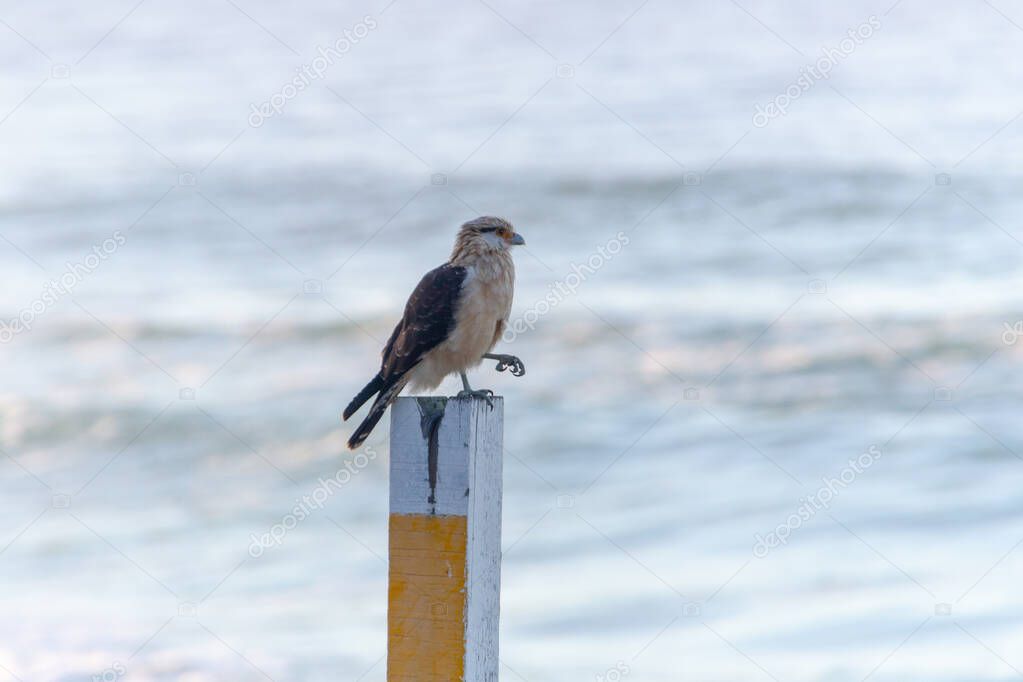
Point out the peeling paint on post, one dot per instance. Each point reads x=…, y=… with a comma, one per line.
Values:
x=444, y=540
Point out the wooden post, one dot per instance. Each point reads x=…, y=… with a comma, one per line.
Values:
x=445, y=540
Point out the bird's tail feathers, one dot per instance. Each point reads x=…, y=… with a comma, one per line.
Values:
x=385, y=398
x=365, y=394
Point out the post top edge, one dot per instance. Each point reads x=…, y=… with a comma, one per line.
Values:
x=443, y=400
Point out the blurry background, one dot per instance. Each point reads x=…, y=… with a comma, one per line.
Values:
x=796, y=289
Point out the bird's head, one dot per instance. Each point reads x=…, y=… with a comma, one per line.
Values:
x=488, y=234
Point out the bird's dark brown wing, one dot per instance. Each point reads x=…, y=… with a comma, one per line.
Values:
x=429, y=318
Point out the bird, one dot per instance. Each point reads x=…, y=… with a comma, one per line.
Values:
x=452, y=321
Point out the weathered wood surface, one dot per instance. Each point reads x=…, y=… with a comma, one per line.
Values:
x=445, y=540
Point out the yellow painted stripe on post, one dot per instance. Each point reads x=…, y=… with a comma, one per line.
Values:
x=427, y=598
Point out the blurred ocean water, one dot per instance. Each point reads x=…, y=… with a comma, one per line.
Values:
x=842, y=280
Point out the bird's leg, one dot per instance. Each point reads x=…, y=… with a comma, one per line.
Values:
x=517, y=367
x=467, y=392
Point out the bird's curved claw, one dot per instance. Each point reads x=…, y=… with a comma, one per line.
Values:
x=484, y=393
x=505, y=362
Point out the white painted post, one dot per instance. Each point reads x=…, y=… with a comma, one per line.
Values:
x=444, y=540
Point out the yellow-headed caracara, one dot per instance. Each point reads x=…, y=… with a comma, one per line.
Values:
x=452, y=321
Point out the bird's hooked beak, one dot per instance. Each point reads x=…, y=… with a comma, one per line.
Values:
x=517, y=240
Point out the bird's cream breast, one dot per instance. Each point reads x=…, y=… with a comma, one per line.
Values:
x=486, y=300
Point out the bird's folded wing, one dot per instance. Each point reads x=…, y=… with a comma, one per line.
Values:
x=429, y=319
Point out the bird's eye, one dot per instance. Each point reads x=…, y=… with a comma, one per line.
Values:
x=502, y=233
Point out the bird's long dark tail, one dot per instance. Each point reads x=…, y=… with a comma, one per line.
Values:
x=365, y=394
x=386, y=397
